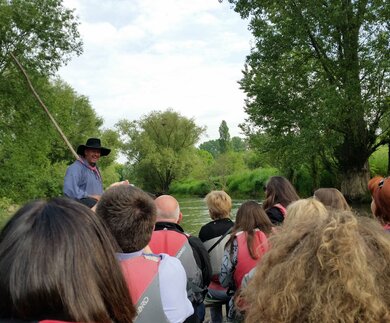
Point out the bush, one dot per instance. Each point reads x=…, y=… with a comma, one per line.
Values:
x=190, y=187
x=378, y=161
x=249, y=183
x=6, y=209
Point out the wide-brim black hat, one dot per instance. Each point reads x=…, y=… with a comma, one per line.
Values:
x=93, y=143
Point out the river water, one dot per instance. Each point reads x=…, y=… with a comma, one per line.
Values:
x=195, y=213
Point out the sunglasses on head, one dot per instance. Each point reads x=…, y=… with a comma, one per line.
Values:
x=380, y=184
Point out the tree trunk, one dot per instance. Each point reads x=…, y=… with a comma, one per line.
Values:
x=388, y=159
x=354, y=185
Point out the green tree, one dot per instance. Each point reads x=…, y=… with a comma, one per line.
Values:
x=211, y=146
x=317, y=79
x=224, y=138
x=201, y=164
x=224, y=166
x=160, y=148
x=33, y=158
x=41, y=33
x=238, y=144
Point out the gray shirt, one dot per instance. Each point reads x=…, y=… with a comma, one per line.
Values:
x=82, y=181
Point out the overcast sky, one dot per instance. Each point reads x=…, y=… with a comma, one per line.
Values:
x=144, y=55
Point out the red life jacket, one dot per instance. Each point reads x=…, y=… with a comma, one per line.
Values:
x=176, y=245
x=141, y=274
x=244, y=261
x=168, y=241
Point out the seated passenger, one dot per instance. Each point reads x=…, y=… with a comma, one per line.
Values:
x=57, y=263
x=214, y=236
x=380, y=205
x=157, y=282
x=246, y=246
x=304, y=210
x=332, y=269
x=331, y=197
x=169, y=237
x=279, y=193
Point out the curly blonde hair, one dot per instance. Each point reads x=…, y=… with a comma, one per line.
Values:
x=334, y=269
x=304, y=210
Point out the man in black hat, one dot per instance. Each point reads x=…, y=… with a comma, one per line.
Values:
x=83, y=181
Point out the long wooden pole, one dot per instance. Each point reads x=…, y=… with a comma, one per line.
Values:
x=44, y=106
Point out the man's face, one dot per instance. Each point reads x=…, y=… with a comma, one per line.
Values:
x=92, y=155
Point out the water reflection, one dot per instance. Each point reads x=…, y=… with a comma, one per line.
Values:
x=195, y=213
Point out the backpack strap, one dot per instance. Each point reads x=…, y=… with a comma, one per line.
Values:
x=220, y=239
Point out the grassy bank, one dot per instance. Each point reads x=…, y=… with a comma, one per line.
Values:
x=247, y=184
x=6, y=210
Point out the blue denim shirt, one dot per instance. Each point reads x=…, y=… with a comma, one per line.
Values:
x=81, y=181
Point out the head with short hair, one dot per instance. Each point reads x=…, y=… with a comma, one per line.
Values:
x=334, y=269
x=304, y=210
x=279, y=190
x=130, y=214
x=250, y=216
x=380, y=193
x=219, y=204
x=331, y=197
x=57, y=259
x=167, y=208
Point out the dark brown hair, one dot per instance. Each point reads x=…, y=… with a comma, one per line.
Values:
x=130, y=214
x=279, y=190
x=332, y=197
x=57, y=261
x=250, y=216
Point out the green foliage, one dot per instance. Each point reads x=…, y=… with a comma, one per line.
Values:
x=378, y=162
x=33, y=157
x=41, y=33
x=250, y=182
x=5, y=210
x=225, y=165
x=110, y=139
x=160, y=148
x=224, y=138
x=201, y=164
x=211, y=146
x=317, y=82
x=190, y=188
x=240, y=184
x=238, y=144
x=110, y=175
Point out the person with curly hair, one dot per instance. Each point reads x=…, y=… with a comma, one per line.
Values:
x=332, y=269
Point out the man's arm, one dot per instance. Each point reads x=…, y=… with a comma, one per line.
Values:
x=71, y=180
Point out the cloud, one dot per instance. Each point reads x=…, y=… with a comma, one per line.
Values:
x=144, y=55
